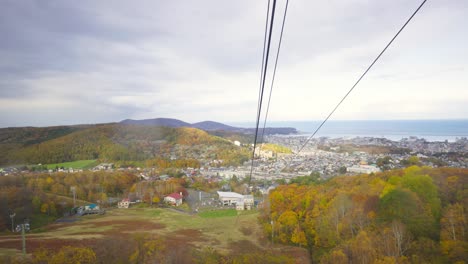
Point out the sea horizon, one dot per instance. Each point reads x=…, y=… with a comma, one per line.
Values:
x=431, y=130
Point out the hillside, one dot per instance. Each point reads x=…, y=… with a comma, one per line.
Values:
x=33, y=135
x=275, y=148
x=117, y=142
x=415, y=215
x=129, y=140
x=211, y=125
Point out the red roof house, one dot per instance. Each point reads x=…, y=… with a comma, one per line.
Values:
x=173, y=199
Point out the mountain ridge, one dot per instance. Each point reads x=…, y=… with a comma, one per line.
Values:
x=207, y=126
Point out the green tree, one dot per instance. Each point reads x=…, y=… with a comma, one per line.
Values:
x=424, y=187
x=404, y=206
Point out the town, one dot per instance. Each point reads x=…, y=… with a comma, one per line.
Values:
x=325, y=157
x=337, y=156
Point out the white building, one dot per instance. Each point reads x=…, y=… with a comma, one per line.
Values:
x=248, y=201
x=242, y=202
x=230, y=198
x=264, y=153
x=125, y=203
x=367, y=169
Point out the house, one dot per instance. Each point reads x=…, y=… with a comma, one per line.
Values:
x=144, y=176
x=164, y=177
x=125, y=203
x=174, y=199
x=264, y=153
x=104, y=166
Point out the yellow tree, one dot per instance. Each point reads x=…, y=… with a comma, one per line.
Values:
x=74, y=255
x=454, y=240
x=362, y=249
x=45, y=208
x=336, y=256
x=285, y=225
x=67, y=254
x=298, y=237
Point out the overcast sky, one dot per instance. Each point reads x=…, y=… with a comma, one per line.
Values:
x=70, y=62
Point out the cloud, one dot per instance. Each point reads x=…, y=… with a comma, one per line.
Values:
x=79, y=62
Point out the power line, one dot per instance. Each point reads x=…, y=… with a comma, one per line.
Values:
x=362, y=76
x=263, y=86
x=274, y=70
x=263, y=54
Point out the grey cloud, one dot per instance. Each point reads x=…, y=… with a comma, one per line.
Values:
x=131, y=59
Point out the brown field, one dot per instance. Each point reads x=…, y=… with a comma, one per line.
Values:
x=236, y=234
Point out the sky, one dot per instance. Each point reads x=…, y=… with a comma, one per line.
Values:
x=75, y=62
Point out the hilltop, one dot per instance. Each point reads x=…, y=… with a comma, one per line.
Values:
x=208, y=126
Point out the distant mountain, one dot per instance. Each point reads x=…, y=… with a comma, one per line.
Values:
x=208, y=126
x=211, y=125
x=168, y=122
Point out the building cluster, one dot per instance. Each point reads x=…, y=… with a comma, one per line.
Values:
x=331, y=156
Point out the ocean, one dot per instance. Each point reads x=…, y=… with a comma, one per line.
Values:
x=431, y=130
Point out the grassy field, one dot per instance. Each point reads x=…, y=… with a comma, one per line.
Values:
x=218, y=213
x=78, y=164
x=226, y=231
x=217, y=230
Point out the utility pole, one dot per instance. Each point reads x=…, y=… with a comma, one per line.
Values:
x=73, y=189
x=151, y=198
x=12, y=216
x=23, y=235
x=272, y=231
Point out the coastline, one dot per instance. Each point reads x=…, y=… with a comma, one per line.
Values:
x=395, y=130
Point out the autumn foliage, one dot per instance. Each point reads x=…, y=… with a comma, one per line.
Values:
x=114, y=143
x=50, y=195
x=413, y=215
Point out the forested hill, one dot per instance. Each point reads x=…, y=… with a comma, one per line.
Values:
x=33, y=135
x=415, y=215
x=113, y=142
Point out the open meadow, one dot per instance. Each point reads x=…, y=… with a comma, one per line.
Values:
x=78, y=164
x=226, y=232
